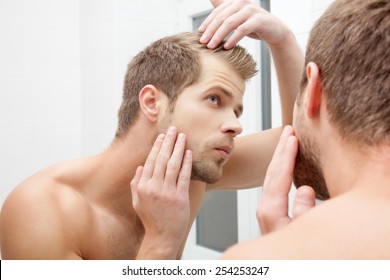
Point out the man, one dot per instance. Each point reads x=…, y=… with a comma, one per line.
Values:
x=342, y=124
x=186, y=99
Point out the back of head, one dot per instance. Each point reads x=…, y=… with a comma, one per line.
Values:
x=350, y=44
x=172, y=64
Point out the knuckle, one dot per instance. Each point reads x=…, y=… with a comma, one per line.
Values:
x=174, y=164
x=271, y=173
x=260, y=213
x=242, y=29
x=219, y=18
x=184, y=178
x=147, y=191
x=264, y=216
x=150, y=161
x=180, y=201
x=229, y=22
x=161, y=160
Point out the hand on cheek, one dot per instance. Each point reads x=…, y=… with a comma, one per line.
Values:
x=160, y=192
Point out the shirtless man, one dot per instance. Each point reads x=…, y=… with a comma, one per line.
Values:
x=342, y=125
x=88, y=209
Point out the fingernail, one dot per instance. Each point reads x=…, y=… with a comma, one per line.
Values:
x=287, y=129
x=211, y=44
x=201, y=28
x=304, y=195
x=181, y=137
x=204, y=38
x=171, y=130
x=188, y=153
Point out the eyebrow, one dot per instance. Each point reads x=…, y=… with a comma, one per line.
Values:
x=239, y=108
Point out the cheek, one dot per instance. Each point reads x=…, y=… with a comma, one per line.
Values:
x=191, y=121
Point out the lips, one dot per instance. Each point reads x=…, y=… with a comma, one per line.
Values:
x=224, y=151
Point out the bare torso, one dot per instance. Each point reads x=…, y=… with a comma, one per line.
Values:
x=70, y=218
x=354, y=225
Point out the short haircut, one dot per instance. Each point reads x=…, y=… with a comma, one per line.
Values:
x=171, y=64
x=350, y=43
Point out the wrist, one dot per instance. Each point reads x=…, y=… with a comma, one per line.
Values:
x=288, y=40
x=158, y=248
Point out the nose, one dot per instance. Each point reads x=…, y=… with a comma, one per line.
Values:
x=231, y=126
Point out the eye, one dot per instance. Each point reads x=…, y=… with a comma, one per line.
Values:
x=214, y=99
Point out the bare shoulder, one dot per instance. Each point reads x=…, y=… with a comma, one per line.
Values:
x=38, y=219
x=347, y=227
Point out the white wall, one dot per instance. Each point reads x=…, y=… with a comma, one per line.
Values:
x=112, y=32
x=62, y=64
x=300, y=18
x=39, y=86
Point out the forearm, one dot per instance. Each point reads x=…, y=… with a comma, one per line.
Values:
x=157, y=249
x=288, y=59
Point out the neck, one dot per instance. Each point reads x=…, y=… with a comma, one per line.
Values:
x=348, y=167
x=115, y=167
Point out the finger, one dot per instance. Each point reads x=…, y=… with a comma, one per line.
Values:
x=304, y=200
x=216, y=3
x=227, y=26
x=151, y=160
x=183, y=182
x=281, y=167
x=165, y=153
x=278, y=180
x=219, y=15
x=237, y=21
x=175, y=162
x=202, y=28
x=134, y=183
x=244, y=29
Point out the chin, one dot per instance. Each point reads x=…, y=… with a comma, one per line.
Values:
x=207, y=172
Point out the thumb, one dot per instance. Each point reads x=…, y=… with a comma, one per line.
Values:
x=216, y=3
x=304, y=201
x=135, y=181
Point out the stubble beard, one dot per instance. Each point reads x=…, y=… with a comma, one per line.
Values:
x=205, y=170
x=307, y=169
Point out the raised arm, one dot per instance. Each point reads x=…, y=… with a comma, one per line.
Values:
x=247, y=19
x=249, y=161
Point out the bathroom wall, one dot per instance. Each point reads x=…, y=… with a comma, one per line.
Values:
x=62, y=64
x=40, y=109
x=111, y=33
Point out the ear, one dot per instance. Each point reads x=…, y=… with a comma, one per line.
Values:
x=149, y=102
x=314, y=90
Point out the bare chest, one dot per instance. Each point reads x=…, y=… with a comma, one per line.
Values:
x=114, y=239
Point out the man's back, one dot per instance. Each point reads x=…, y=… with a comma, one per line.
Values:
x=354, y=225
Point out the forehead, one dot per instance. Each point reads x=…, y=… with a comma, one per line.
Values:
x=217, y=71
